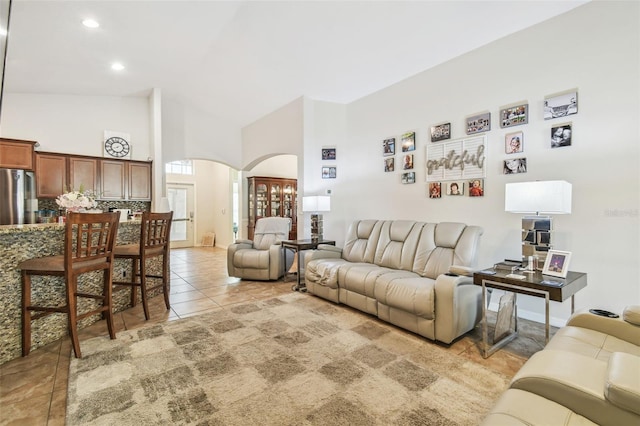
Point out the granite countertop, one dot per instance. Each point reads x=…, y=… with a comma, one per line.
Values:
x=5, y=229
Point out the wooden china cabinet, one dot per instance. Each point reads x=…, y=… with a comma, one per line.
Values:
x=270, y=197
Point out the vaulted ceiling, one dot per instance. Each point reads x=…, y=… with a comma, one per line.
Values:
x=239, y=60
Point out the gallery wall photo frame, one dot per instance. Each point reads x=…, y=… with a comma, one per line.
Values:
x=514, y=142
x=328, y=153
x=440, y=132
x=514, y=115
x=560, y=104
x=407, y=162
x=329, y=172
x=389, y=146
x=478, y=123
x=389, y=164
x=561, y=135
x=557, y=263
x=408, y=178
x=408, y=141
x=455, y=188
x=514, y=166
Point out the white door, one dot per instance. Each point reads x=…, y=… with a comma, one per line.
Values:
x=181, y=202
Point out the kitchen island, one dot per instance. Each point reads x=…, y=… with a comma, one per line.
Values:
x=22, y=242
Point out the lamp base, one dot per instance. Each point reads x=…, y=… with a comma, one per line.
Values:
x=316, y=227
x=536, y=240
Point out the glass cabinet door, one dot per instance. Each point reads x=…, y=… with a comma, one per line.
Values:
x=288, y=200
x=262, y=202
x=276, y=202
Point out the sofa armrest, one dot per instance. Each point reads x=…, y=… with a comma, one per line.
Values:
x=623, y=381
x=248, y=243
x=616, y=327
x=324, y=251
x=458, y=306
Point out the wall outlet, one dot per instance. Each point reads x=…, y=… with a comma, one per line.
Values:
x=328, y=192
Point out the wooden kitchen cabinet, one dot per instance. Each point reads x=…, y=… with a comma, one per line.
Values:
x=125, y=180
x=113, y=175
x=51, y=175
x=16, y=154
x=83, y=172
x=139, y=181
x=270, y=197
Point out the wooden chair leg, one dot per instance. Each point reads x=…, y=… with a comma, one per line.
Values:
x=143, y=287
x=72, y=313
x=134, y=275
x=108, y=302
x=26, y=314
x=165, y=280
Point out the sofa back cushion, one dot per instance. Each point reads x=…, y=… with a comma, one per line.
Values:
x=361, y=241
x=269, y=231
x=398, y=244
x=444, y=244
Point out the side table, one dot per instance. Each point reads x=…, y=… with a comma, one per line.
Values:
x=532, y=286
x=297, y=246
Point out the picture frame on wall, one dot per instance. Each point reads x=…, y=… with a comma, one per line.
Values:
x=514, y=116
x=408, y=142
x=476, y=188
x=478, y=123
x=556, y=106
x=329, y=172
x=389, y=146
x=561, y=135
x=514, y=143
x=407, y=162
x=435, y=190
x=328, y=153
x=557, y=263
x=455, y=188
x=389, y=164
x=514, y=166
x=408, y=177
x=441, y=132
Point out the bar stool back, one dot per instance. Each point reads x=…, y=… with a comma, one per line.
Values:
x=155, y=231
x=89, y=239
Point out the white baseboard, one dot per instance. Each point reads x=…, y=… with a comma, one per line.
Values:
x=534, y=316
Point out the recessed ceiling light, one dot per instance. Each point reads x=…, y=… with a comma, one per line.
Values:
x=90, y=23
x=117, y=66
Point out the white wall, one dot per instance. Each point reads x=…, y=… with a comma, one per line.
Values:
x=579, y=50
x=76, y=124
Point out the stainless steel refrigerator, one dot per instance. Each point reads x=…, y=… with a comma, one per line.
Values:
x=18, y=203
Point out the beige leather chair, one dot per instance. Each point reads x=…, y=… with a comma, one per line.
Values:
x=589, y=373
x=261, y=259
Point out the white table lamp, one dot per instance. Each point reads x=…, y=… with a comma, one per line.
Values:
x=540, y=198
x=316, y=204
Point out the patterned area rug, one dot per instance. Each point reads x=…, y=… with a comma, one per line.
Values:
x=291, y=360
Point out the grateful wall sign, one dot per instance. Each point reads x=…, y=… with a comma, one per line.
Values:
x=458, y=159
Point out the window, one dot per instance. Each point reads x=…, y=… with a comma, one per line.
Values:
x=184, y=167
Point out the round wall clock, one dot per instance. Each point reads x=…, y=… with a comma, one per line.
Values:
x=116, y=147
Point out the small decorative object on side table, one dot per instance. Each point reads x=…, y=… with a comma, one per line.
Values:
x=535, y=284
x=297, y=246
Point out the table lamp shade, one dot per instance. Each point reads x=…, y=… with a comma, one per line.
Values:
x=316, y=203
x=546, y=197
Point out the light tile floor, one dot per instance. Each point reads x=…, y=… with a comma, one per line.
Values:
x=33, y=389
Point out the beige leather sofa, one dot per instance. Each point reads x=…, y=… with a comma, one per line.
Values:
x=396, y=271
x=589, y=373
x=261, y=259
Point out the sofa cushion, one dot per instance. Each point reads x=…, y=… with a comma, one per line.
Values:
x=324, y=272
x=518, y=407
x=590, y=343
x=623, y=381
x=407, y=291
x=360, y=277
x=398, y=244
x=631, y=314
x=251, y=259
x=361, y=241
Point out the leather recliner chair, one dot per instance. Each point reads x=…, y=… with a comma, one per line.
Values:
x=261, y=259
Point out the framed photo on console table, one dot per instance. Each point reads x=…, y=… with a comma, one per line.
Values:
x=557, y=263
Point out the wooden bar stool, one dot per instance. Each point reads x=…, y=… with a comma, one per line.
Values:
x=89, y=239
x=155, y=231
